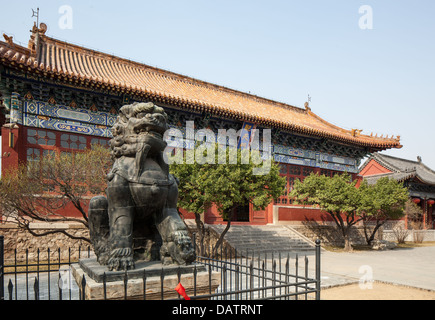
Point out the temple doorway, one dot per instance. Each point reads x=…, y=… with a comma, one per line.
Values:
x=241, y=213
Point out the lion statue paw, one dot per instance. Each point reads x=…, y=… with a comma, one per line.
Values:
x=179, y=250
x=121, y=259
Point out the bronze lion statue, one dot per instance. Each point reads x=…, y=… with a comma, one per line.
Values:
x=139, y=220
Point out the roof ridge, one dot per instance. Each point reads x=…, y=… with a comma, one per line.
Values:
x=426, y=167
x=380, y=158
x=402, y=159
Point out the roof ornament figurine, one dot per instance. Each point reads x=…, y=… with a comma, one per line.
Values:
x=356, y=132
x=9, y=40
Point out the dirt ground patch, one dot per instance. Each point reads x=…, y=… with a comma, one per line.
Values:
x=379, y=291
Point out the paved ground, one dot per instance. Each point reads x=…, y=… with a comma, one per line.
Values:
x=48, y=286
x=410, y=267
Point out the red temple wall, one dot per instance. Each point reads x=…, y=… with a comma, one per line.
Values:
x=295, y=213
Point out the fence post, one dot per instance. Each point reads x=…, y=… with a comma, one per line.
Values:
x=2, y=284
x=104, y=286
x=318, y=269
x=36, y=288
x=125, y=284
x=195, y=274
x=83, y=289
x=296, y=276
x=144, y=284
x=10, y=289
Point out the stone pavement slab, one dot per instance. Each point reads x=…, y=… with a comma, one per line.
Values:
x=413, y=267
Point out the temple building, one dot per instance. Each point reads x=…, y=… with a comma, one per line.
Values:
x=56, y=96
x=415, y=175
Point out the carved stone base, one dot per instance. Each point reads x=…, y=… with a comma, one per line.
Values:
x=115, y=284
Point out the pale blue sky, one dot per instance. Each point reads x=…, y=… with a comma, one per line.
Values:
x=380, y=80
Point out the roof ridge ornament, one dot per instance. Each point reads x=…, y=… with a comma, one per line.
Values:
x=9, y=40
x=307, y=104
x=38, y=30
x=356, y=132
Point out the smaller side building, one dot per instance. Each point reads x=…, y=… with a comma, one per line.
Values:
x=415, y=175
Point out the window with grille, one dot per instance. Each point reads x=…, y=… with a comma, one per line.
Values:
x=325, y=172
x=41, y=137
x=283, y=169
x=72, y=141
x=292, y=172
x=307, y=171
x=33, y=155
x=295, y=170
x=101, y=141
x=40, y=142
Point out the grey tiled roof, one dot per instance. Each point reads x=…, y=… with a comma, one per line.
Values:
x=402, y=169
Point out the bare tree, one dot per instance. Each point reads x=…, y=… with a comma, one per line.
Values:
x=43, y=189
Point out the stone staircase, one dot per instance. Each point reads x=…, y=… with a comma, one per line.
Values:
x=266, y=239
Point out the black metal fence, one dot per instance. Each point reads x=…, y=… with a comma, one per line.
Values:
x=247, y=276
x=43, y=274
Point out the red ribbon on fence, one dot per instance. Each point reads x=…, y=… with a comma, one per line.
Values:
x=180, y=289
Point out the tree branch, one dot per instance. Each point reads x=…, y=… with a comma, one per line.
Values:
x=62, y=231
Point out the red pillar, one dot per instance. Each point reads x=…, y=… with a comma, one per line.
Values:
x=13, y=147
x=430, y=221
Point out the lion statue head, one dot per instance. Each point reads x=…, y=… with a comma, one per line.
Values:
x=135, y=122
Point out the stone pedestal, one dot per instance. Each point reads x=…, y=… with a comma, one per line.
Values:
x=115, y=283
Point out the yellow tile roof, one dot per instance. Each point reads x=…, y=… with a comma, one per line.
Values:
x=80, y=66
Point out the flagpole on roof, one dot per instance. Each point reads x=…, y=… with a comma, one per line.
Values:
x=36, y=14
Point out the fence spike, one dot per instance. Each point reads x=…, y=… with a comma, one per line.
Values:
x=318, y=269
x=83, y=296
x=60, y=283
x=36, y=288
x=296, y=276
x=10, y=289
x=209, y=279
x=237, y=281
x=125, y=284
x=48, y=266
x=195, y=273
x=162, y=277
x=251, y=278
x=104, y=286
x=144, y=279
